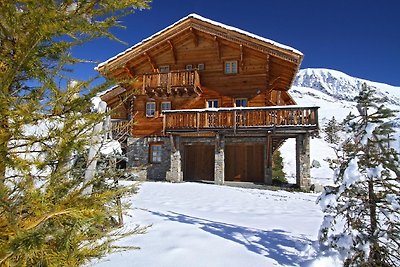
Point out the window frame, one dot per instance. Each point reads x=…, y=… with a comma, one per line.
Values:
x=155, y=155
x=241, y=99
x=213, y=103
x=189, y=67
x=147, y=109
x=161, y=106
x=230, y=70
x=201, y=66
x=165, y=68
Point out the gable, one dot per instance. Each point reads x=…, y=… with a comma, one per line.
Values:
x=194, y=40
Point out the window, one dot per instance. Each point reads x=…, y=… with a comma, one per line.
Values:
x=189, y=67
x=150, y=109
x=212, y=103
x=163, y=69
x=200, y=66
x=231, y=67
x=165, y=105
x=155, y=153
x=241, y=102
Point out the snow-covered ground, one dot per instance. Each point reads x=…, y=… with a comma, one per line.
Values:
x=207, y=225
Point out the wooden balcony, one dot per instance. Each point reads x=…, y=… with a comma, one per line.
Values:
x=276, y=118
x=172, y=83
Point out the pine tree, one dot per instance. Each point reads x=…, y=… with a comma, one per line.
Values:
x=278, y=175
x=331, y=130
x=45, y=132
x=362, y=210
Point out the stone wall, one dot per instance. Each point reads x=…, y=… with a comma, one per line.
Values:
x=138, y=150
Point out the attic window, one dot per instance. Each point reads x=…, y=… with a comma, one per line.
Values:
x=231, y=67
x=200, y=66
x=189, y=67
x=163, y=69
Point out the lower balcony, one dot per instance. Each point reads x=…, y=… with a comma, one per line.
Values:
x=275, y=118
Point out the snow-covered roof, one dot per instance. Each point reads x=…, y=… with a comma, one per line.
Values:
x=196, y=16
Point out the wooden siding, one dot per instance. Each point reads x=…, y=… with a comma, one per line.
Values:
x=263, y=78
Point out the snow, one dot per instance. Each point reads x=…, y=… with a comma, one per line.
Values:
x=196, y=224
x=111, y=147
x=196, y=16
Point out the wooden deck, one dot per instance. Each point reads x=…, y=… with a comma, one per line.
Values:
x=172, y=83
x=274, y=118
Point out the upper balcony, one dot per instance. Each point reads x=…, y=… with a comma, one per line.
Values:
x=172, y=83
x=285, y=119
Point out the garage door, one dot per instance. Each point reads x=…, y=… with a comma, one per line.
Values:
x=199, y=162
x=244, y=163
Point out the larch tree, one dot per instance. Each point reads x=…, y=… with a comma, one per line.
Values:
x=46, y=218
x=362, y=210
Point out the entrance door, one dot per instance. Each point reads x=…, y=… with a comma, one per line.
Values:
x=244, y=163
x=199, y=162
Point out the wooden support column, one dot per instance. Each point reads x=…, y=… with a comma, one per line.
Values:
x=175, y=173
x=194, y=36
x=218, y=46
x=303, y=179
x=171, y=46
x=219, y=162
x=268, y=161
x=150, y=60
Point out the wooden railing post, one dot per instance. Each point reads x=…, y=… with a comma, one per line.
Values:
x=234, y=121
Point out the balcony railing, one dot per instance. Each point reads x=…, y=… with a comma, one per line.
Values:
x=120, y=127
x=240, y=119
x=172, y=83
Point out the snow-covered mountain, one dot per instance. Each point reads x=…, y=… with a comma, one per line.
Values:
x=342, y=86
x=333, y=91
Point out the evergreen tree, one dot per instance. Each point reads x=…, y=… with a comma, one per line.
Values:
x=278, y=175
x=362, y=210
x=331, y=130
x=45, y=132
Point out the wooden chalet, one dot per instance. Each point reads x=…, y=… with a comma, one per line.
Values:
x=201, y=100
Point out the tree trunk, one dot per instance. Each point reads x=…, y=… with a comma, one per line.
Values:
x=374, y=246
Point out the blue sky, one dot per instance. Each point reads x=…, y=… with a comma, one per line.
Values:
x=358, y=37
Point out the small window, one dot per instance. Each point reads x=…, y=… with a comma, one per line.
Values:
x=155, y=153
x=189, y=67
x=212, y=103
x=200, y=66
x=241, y=102
x=163, y=69
x=150, y=109
x=231, y=67
x=165, y=105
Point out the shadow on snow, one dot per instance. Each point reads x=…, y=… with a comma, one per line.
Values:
x=275, y=244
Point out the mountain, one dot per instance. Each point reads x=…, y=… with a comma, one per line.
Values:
x=333, y=91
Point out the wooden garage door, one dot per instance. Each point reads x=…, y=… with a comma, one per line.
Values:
x=244, y=163
x=199, y=162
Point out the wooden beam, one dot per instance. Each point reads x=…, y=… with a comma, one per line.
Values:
x=129, y=71
x=273, y=83
x=172, y=50
x=150, y=60
x=241, y=57
x=194, y=36
x=218, y=46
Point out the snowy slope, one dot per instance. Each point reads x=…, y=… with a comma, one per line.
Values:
x=201, y=225
x=333, y=92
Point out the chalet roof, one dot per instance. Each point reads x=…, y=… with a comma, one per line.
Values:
x=218, y=24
